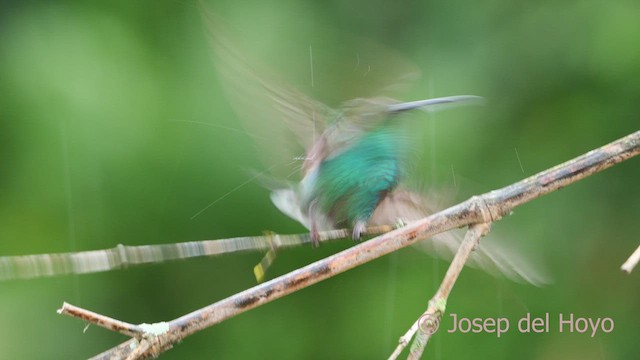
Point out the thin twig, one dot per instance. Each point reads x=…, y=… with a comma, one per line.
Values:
x=123, y=256
x=101, y=320
x=631, y=262
x=486, y=208
x=428, y=323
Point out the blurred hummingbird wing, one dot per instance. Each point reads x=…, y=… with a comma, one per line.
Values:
x=269, y=108
x=489, y=256
x=400, y=204
x=495, y=259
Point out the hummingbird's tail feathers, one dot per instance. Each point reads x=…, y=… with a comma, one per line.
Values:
x=437, y=103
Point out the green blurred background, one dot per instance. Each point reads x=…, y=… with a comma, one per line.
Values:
x=100, y=145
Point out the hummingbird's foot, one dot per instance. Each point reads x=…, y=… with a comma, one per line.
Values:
x=315, y=236
x=358, y=229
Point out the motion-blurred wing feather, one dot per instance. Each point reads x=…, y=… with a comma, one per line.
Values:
x=488, y=256
x=270, y=109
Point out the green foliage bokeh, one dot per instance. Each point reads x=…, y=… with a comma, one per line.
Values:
x=104, y=139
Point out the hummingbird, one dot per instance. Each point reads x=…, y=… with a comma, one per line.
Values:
x=354, y=158
x=354, y=161
x=356, y=164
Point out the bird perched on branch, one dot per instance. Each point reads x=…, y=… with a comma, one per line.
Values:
x=353, y=160
x=354, y=166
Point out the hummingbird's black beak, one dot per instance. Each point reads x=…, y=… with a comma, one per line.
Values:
x=459, y=99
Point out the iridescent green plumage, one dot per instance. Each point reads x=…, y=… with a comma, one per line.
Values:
x=360, y=176
x=350, y=186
